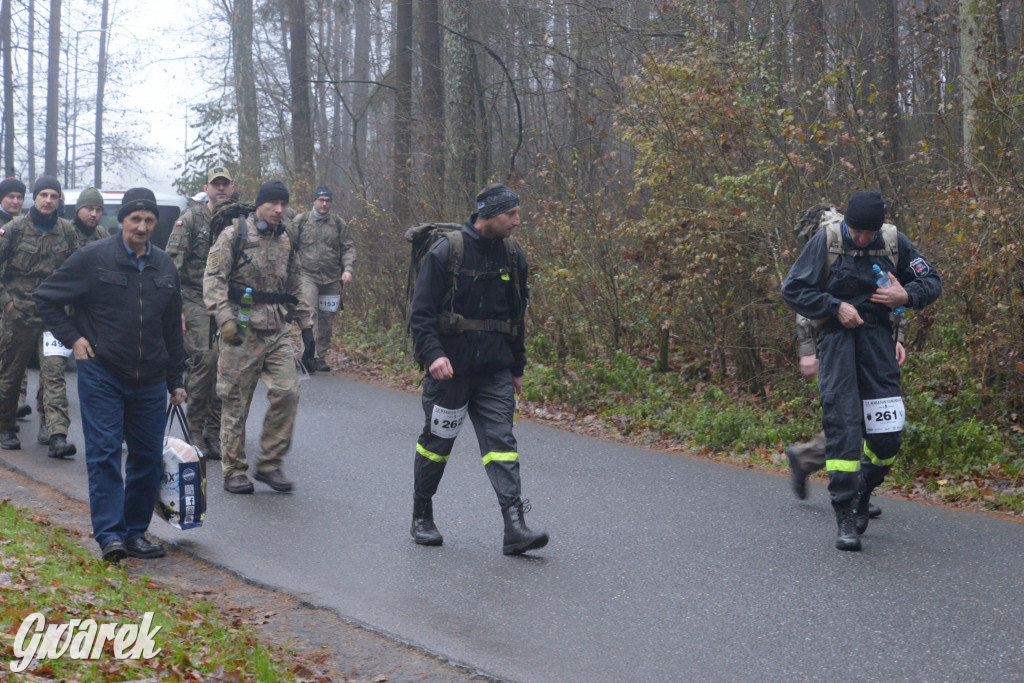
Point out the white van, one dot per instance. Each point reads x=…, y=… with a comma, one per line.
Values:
x=170, y=205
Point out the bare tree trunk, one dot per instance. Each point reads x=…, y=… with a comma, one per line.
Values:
x=403, y=111
x=52, y=91
x=30, y=95
x=5, y=38
x=459, y=117
x=977, y=50
x=302, y=124
x=101, y=84
x=889, y=81
x=433, y=101
x=361, y=87
x=248, y=173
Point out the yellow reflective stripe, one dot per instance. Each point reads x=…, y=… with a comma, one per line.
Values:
x=875, y=460
x=503, y=457
x=842, y=465
x=429, y=455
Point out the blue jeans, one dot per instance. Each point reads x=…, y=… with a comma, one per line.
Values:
x=113, y=412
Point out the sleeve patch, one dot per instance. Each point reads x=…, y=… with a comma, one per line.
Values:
x=179, y=223
x=920, y=267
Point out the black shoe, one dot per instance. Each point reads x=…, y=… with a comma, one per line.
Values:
x=114, y=551
x=43, y=437
x=60, y=448
x=797, y=475
x=874, y=511
x=276, y=480
x=8, y=441
x=518, y=537
x=24, y=410
x=310, y=366
x=322, y=366
x=847, y=538
x=238, y=484
x=862, y=510
x=143, y=549
x=212, y=448
x=424, y=531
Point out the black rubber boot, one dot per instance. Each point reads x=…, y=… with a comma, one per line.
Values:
x=424, y=531
x=847, y=538
x=518, y=537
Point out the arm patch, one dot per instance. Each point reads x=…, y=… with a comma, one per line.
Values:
x=920, y=267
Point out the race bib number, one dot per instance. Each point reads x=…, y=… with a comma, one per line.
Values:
x=446, y=422
x=329, y=303
x=884, y=415
x=52, y=347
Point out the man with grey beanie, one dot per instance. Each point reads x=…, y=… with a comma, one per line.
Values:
x=468, y=333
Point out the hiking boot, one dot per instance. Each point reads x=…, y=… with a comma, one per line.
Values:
x=424, y=531
x=276, y=480
x=24, y=410
x=238, y=484
x=43, y=437
x=862, y=511
x=518, y=537
x=198, y=441
x=212, y=448
x=321, y=365
x=9, y=441
x=310, y=366
x=874, y=511
x=60, y=448
x=847, y=538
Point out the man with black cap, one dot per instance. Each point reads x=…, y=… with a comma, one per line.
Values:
x=468, y=334
x=125, y=333
x=53, y=412
x=31, y=248
x=256, y=254
x=834, y=282
x=327, y=253
x=12, y=198
x=189, y=245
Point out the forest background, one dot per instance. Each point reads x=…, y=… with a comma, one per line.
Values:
x=663, y=152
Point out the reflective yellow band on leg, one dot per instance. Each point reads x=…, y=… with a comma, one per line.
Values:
x=842, y=465
x=431, y=456
x=875, y=460
x=502, y=457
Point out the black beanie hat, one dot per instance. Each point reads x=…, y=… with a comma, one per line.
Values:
x=272, y=191
x=137, y=199
x=865, y=211
x=322, y=191
x=45, y=182
x=9, y=185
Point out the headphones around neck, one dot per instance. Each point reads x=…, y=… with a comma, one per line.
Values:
x=263, y=228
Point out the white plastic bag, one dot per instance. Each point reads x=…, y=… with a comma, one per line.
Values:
x=182, y=499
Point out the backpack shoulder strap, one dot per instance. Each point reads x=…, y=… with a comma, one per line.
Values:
x=241, y=234
x=891, y=236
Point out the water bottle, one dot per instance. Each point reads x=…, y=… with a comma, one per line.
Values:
x=245, y=308
x=515, y=411
x=883, y=282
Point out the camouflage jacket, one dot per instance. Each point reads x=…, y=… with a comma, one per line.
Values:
x=28, y=256
x=189, y=246
x=5, y=218
x=83, y=238
x=264, y=262
x=325, y=245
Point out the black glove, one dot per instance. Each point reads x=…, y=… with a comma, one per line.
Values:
x=308, y=348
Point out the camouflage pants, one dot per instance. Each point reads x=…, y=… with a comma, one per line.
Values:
x=323, y=322
x=52, y=394
x=201, y=348
x=18, y=336
x=270, y=356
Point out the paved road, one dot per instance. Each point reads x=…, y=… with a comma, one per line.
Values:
x=660, y=568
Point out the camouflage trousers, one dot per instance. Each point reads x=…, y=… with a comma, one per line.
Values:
x=201, y=349
x=323, y=322
x=270, y=356
x=18, y=336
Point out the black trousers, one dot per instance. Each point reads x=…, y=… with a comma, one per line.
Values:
x=488, y=402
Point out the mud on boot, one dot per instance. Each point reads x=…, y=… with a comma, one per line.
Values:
x=518, y=537
x=424, y=531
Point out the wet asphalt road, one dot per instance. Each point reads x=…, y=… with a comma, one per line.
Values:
x=660, y=567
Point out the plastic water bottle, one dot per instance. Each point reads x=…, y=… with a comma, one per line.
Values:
x=883, y=282
x=245, y=308
x=515, y=411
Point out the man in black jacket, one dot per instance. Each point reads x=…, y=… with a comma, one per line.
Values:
x=468, y=333
x=127, y=340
